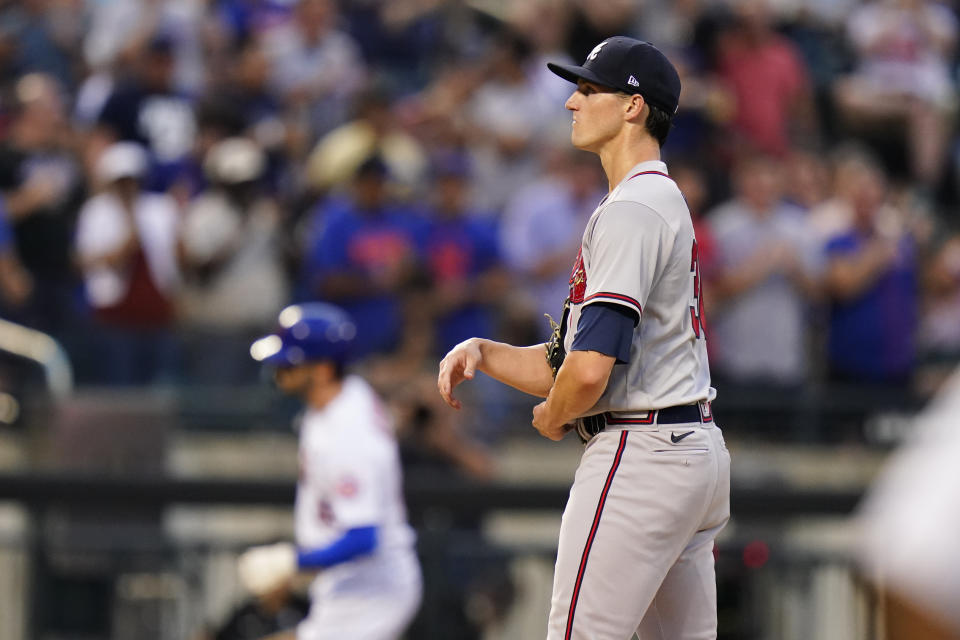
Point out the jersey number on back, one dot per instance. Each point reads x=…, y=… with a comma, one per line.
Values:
x=697, y=318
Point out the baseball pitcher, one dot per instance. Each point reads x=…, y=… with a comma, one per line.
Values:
x=627, y=370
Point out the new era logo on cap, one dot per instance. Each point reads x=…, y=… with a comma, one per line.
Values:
x=630, y=65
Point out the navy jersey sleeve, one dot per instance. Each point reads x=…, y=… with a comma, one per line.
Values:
x=606, y=328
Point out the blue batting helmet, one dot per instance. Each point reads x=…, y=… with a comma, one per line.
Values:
x=307, y=333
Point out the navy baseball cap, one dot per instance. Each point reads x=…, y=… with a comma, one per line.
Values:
x=631, y=66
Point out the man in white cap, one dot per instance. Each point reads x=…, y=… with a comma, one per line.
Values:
x=234, y=279
x=126, y=244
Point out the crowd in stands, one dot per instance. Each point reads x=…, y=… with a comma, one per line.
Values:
x=172, y=173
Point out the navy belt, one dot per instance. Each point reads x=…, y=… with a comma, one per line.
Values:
x=592, y=425
x=683, y=413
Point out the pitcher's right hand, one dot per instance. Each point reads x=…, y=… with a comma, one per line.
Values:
x=458, y=365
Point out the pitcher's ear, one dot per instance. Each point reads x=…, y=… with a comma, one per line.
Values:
x=636, y=108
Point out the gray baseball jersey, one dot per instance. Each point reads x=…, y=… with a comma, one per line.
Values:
x=639, y=251
x=635, y=554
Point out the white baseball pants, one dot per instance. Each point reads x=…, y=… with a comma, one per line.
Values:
x=636, y=541
x=377, y=601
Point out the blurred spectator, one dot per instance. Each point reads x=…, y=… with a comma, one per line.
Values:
x=544, y=24
x=15, y=282
x=246, y=20
x=707, y=107
x=399, y=38
x=147, y=108
x=117, y=31
x=939, y=331
x=768, y=79
x=41, y=186
x=669, y=24
x=467, y=284
x=45, y=34
x=595, y=21
x=855, y=172
x=507, y=114
x=807, y=182
x=904, y=48
x=767, y=275
x=438, y=114
x=180, y=76
x=363, y=254
x=374, y=132
x=250, y=93
x=217, y=119
x=316, y=68
x=541, y=229
x=872, y=283
x=126, y=246
x=244, y=103
x=234, y=279
x=462, y=259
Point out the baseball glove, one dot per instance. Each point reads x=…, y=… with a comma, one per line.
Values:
x=555, y=349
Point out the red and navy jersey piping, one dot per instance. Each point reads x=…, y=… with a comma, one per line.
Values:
x=644, y=173
x=616, y=297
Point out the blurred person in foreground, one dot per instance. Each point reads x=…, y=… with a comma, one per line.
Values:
x=907, y=527
x=766, y=278
x=126, y=245
x=350, y=519
x=234, y=278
